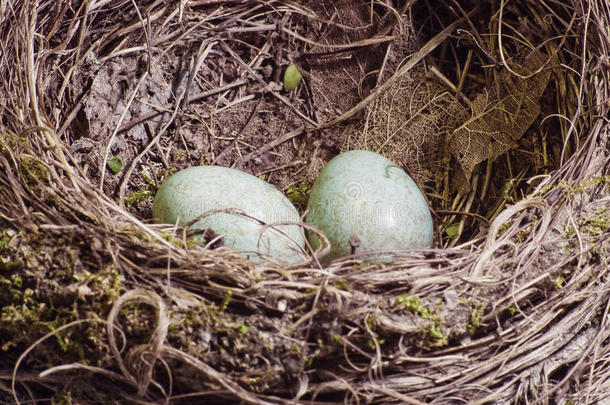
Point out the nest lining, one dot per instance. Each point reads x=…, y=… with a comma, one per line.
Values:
x=520, y=312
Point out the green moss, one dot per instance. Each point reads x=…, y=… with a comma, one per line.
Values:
x=371, y=343
x=432, y=330
x=523, y=234
x=412, y=303
x=18, y=315
x=41, y=275
x=12, y=142
x=226, y=301
x=5, y=238
x=475, y=320
x=149, y=180
x=435, y=333
x=62, y=398
x=371, y=321
x=597, y=224
x=17, y=280
x=178, y=154
x=585, y=185
x=341, y=284
x=503, y=228
x=578, y=188
x=145, y=192
x=137, y=197
x=298, y=193
x=177, y=242
x=34, y=170
x=559, y=282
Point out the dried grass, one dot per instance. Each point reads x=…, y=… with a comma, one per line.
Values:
x=98, y=305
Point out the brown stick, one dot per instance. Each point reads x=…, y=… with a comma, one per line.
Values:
x=195, y=98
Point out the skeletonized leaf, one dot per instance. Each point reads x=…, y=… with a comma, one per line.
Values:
x=501, y=114
x=409, y=124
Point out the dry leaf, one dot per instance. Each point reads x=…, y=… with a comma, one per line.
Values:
x=501, y=114
x=409, y=124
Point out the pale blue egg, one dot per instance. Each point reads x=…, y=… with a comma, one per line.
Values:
x=194, y=191
x=363, y=195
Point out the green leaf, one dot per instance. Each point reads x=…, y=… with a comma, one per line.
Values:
x=292, y=77
x=115, y=164
x=452, y=229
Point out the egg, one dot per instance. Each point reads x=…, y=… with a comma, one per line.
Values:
x=363, y=202
x=197, y=190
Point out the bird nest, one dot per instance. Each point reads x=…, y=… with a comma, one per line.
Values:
x=498, y=109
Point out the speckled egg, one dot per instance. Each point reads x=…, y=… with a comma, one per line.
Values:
x=194, y=191
x=364, y=196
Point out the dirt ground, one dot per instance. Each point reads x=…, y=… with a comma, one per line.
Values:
x=256, y=127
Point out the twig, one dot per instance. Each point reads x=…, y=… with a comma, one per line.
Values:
x=136, y=159
x=413, y=60
x=241, y=132
x=276, y=142
x=195, y=98
x=259, y=79
x=195, y=3
x=117, y=128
